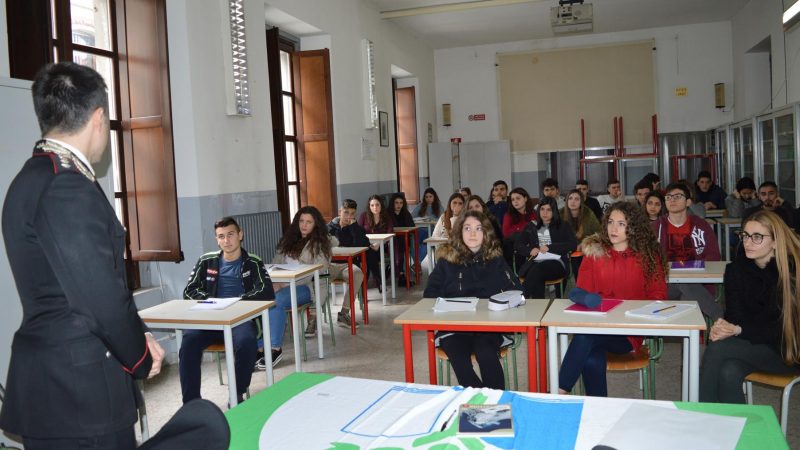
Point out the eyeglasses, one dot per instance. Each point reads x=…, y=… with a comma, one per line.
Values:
x=757, y=238
x=669, y=197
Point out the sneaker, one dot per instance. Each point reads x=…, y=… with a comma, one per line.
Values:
x=343, y=319
x=311, y=328
x=277, y=356
x=261, y=363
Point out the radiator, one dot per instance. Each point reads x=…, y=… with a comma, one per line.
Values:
x=262, y=231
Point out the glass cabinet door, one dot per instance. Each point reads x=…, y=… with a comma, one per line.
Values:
x=736, y=154
x=721, y=143
x=784, y=126
x=767, y=139
x=747, y=151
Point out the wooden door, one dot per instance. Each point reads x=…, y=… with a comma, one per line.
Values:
x=316, y=160
x=406, y=132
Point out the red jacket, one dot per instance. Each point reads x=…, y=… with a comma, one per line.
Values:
x=510, y=228
x=613, y=274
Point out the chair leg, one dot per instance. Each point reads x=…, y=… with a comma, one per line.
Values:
x=787, y=392
x=302, y=329
x=439, y=374
x=329, y=318
x=748, y=389
x=514, y=365
x=219, y=367
x=143, y=415
x=505, y=371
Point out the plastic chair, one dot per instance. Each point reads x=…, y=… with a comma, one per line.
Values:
x=441, y=357
x=780, y=381
x=642, y=360
x=556, y=286
x=301, y=309
x=217, y=350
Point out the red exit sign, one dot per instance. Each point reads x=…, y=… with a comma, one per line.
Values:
x=473, y=117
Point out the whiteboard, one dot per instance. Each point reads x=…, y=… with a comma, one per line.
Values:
x=20, y=131
x=480, y=165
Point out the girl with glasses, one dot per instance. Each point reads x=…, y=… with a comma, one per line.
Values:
x=761, y=327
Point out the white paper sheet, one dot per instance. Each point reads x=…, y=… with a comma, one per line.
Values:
x=455, y=304
x=287, y=266
x=660, y=310
x=214, y=303
x=546, y=256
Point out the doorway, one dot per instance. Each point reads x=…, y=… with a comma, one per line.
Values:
x=405, y=113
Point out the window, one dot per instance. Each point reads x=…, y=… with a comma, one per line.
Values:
x=96, y=33
x=290, y=135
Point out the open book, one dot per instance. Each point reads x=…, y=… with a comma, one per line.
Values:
x=660, y=311
x=455, y=304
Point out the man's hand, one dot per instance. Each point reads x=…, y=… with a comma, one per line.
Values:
x=375, y=246
x=736, y=194
x=156, y=352
x=278, y=286
x=709, y=205
x=534, y=252
x=723, y=329
x=544, y=248
x=778, y=201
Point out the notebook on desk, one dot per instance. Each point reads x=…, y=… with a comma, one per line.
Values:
x=602, y=309
x=687, y=265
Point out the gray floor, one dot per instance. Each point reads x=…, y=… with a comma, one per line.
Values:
x=376, y=353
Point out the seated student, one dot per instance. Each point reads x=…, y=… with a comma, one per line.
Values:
x=655, y=206
x=742, y=198
x=465, y=192
x=400, y=218
x=685, y=237
x=349, y=234
x=475, y=203
x=305, y=242
x=614, y=195
x=709, y=194
x=653, y=180
x=230, y=272
x=471, y=265
x=771, y=201
x=623, y=261
x=430, y=208
x=376, y=220
x=591, y=202
x=445, y=224
x=520, y=213
x=498, y=200
x=640, y=191
x=583, y=222
x=761, y=328
x=546, y=235
x=550, y=189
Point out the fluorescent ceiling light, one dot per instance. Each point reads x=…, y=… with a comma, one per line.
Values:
x=791, y=16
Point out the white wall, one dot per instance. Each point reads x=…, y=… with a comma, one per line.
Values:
x=4, y=64
x=691, y=56
x=347, y=22
x=758, y=20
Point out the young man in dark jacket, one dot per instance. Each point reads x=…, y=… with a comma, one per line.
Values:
x=350, y=234
x=772, y=201
x=686, y=237
x=709, y=194
x=230, y=272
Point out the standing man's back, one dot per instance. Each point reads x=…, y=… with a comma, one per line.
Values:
x=81, y=342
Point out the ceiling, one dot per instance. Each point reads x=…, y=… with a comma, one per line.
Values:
x=515, y=20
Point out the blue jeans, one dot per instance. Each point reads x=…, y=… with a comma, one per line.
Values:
x=191, y=354
x=277, y=315
x=586, y=356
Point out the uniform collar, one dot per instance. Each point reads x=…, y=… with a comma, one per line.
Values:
x=81, y=157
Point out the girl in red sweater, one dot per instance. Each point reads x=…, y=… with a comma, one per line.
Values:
x=520, y=214
x=623, y=261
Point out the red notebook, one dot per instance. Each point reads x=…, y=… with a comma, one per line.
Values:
x=605, y=306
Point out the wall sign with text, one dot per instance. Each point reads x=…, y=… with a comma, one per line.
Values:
x=474, y=117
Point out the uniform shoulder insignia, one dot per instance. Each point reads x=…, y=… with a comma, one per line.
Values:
x=62, y=158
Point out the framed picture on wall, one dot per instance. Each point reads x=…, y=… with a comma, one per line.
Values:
x=383, y=126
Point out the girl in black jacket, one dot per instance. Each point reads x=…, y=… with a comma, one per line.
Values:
x=471, y=264
x=548, y=234
x=761, y=328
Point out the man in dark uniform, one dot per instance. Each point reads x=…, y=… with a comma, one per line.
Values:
x=81, y=343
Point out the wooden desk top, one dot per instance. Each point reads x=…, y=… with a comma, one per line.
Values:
x=729, y=220
x=380, y=237
x=283, y=275
x=716, y=213
x=177, y=311
x=616, y=318
x=527, y=315
x=714, y=270
x=435, y=240
x=426, y=221
x=343, y=252
x=405, y=229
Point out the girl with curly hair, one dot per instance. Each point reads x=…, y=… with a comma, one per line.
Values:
x=471, y=264
x=623, y=261
x=305, y=242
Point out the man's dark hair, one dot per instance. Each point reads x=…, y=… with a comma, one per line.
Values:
x=550, y=182
x=768, y=184
x=65, y=95
x=704, y=174
x=612, y=181
x=225, y=222
x=349, y=203
x=745, y=183
x=499, y=182
x=582, y=182
x=651, y=178
x=642, y=184
x=682, y=186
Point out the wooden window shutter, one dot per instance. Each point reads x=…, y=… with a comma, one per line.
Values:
x=149, y=161
x=315, y=130
x=28, y=39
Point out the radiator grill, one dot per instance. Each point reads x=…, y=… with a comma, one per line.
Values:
x=262, y=231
